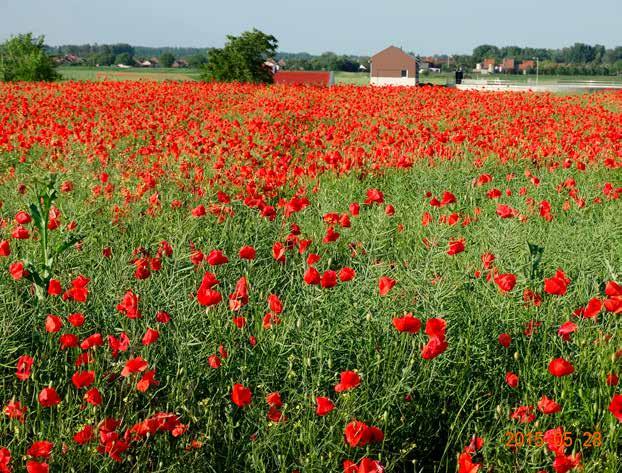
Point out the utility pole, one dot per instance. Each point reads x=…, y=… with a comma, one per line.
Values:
x=537, y=69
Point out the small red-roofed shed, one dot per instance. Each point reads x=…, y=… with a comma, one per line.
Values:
x=316, y=78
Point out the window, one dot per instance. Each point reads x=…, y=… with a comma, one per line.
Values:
x=404, y=73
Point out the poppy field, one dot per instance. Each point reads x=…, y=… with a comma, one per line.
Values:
x=227, y=277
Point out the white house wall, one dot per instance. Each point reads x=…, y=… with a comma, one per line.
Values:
x=406, y=81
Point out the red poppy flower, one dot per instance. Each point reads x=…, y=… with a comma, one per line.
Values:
x=48, y=397
x=448, y=198
x=346, y=274
x=523, y=414
x=348, y=380
x=329, y=279
x=385, y=284
x=566, y=329
x=557, y=285
x=84, y=435
x=36, y=467
x=359, y=434
x=146, y=380
x=455, y=247
x=151, y=336
x=331, y=235
x=323, y=405
x=15, y=410
x=278, y=252
x=163, y=317
x=560, y=367
x=129, y=306
x=83, y=379
x=505, y=282
x=93, y=397
x=593, y=308
x=22, y=218
x=76, y=319
x=241, y=396
x=198, y=211
x=91, y=341
x=40, y=449
x=615, y=407
x=216, y=257
x=53, y=323
x=24, y=365
x=5, y=249
x=275, y=415
x=17, y=270
x=466, y=464
x=511, y=379
x=54, y=288
x=134, y=365
x=356, y=434
x=78, y=290
x=205, y=295
x=433, y=348
x=614, y=301
x=247, y=252
x=548, y=406
x=312, y=276
x=374, y=196
x=407, y=323
x=274, y=399
x=118, y=344
x=214, y=361
x=275, y=304
x=20, y=233
x=564, y=463
x=505, y=340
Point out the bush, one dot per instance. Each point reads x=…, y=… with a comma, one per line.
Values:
x=23, y=58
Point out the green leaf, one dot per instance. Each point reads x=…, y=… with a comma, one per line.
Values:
x=36, y=216
x=67, y=243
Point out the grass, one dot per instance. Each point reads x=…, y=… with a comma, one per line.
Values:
x=427, y=409
x=116, y=74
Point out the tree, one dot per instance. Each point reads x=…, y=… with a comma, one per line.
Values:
x=123, y=58
x=242, y=59
x=197, y=60
x=23, y=58
x=166, y=59
x=486, y=51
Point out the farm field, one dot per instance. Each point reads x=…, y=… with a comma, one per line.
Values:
x=232, y=278
x=84, y=73
x=80, y=73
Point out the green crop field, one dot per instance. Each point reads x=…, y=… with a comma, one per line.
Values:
x=209, y=277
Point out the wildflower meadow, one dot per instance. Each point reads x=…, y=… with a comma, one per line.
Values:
x=228, y=277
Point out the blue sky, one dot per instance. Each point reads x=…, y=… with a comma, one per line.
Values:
x=342, y=26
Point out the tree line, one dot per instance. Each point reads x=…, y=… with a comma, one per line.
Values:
x=243, y=58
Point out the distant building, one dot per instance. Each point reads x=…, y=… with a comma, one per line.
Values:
x=179, y=63
x=508, y=65
x=272, y=65
x=392, y=66
x=70, y=59
x=489, y=64
x=527, y=66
